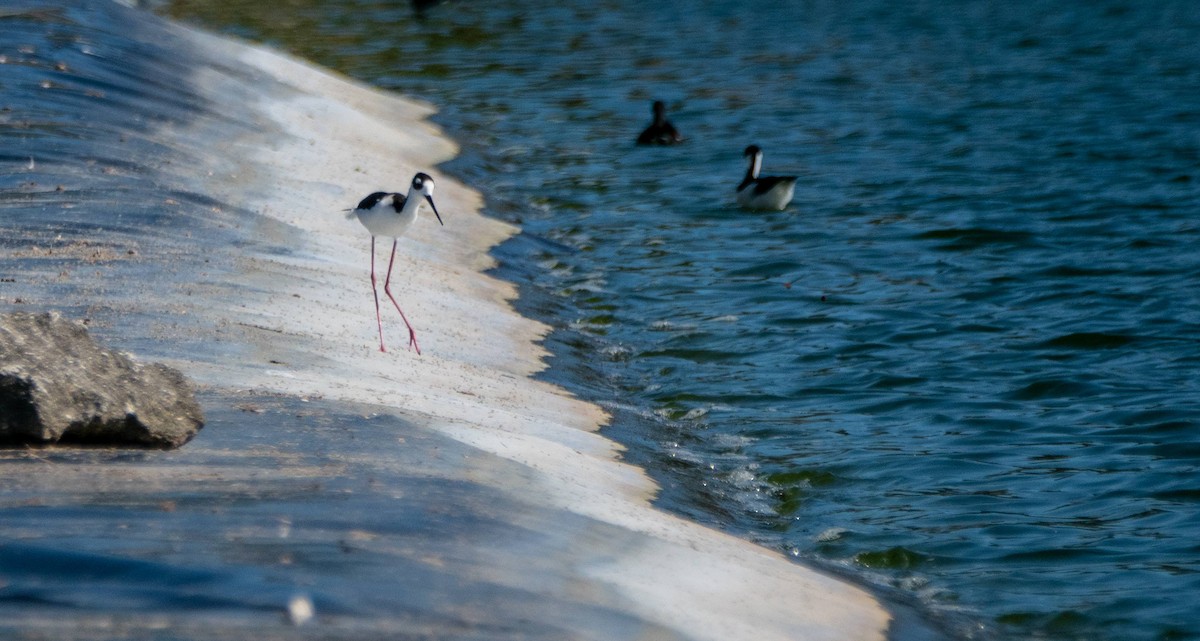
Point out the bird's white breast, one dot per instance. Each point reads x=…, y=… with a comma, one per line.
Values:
x=384, y=220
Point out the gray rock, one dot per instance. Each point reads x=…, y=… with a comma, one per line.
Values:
x=57, y=384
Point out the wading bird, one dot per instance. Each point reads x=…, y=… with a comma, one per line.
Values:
x=390, y=214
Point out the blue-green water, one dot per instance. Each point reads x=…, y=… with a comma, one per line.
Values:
x=962, y=365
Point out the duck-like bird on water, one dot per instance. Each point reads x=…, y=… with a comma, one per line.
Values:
x=660, y=131
x=390, y=214
x=763, y=192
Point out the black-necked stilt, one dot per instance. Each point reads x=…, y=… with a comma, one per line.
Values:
x=390, y=214
x=660, y=132
x=766, y=192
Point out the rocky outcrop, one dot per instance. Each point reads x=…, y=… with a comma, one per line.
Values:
x=58, y=386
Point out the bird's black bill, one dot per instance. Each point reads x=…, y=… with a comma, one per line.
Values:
x=435, y=211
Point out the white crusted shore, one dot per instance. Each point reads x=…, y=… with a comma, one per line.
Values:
x=308, y=320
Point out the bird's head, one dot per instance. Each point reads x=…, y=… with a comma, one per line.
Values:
x=422, y=184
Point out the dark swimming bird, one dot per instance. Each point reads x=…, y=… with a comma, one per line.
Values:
x=660, y=132
x=421, y=6
x=390, y=214
x=765, y=192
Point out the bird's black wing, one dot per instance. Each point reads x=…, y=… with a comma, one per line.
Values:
x=659, y=134
x=767, y=183
x=372, y=200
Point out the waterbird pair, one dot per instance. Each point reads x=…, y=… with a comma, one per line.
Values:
x=390, y=214
x=754, y=192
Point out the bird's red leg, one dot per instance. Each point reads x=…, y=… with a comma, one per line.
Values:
x=387, y=284
x=378, y=319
